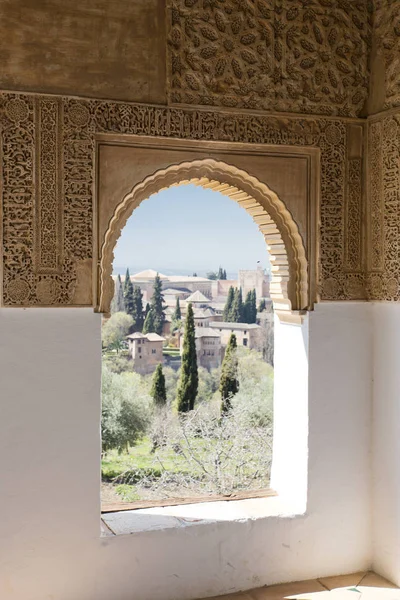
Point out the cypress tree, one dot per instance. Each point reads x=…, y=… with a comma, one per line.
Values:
x=158, y=391
x=262, y=306
x=118, y=304
x=146, y=310
x=248, y=308
x=236, y=313
x=157, y=305
x=177, y=316
x=189, y=378
x=148, y=326
x=229, y=382
x=128, y=294
x=224, y=277
x=253, y=307
x=137, y=313
x=220, y=273
x=228, y=304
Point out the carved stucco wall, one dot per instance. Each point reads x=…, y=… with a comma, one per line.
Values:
x=384, y=207
x=230, y=60
x=305, y=56
x=385, y=60
x=48, y=160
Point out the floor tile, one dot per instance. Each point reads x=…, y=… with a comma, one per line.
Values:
x=374, y=580
x=291, y=590
x=341, y=581
x=356, y=586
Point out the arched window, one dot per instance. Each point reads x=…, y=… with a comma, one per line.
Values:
x=289, y=293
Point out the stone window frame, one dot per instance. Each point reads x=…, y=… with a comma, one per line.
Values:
x=295, y=272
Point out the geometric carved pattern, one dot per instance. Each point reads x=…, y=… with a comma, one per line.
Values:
x=387, y=36
x=48, y=193
x=353, y=239
x=384, y=209
x=376, y=208
x=284, y=55
x=68, y=140
x=289, y=283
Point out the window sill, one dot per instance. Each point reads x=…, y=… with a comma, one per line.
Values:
x=128, y=522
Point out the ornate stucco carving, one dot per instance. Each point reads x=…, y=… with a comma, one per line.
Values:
x=289, y=285
x=39, y=131
x=384, y=207
x=387, y=40
x=287, y=55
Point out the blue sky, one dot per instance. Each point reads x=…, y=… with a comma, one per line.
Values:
x=186, y=229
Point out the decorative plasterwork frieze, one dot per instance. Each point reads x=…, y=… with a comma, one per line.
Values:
x=384, y=207
x=286, y=55
x=48, y=189
x=65, y=130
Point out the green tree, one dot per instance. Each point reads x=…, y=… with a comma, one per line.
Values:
x=137, y=313
x=228, y=305
x=158, y=390
x=177, y=316
x=148, y=326
x=194, y=274
x=247, y=308
x=262, y=306
x=253, y=307
x=224, y=277
x=115, y=329
x=128, y=294
x=157, y=306
x=125, y=412
x=189, y=377
x=213, y=275
x=236, y=313
x=229, y=382
x=118, y=304
x=250, y=307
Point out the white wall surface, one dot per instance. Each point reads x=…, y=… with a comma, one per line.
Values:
x=50, y=545
x=386, y=441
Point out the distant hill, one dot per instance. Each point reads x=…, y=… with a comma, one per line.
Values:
x=166, y=271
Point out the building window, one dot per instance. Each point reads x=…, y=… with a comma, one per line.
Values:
x=153, y=351
x=244, y=341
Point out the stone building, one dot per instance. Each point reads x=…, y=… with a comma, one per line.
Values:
x=204, y=316
x=292, y=109
x=208, y=347
x=198, y=300
x=256, y=279
x=247, y=335
x=146, y=351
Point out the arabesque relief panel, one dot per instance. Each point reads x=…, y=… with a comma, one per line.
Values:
x=385, y=63
x=48, y=163
x=285, y=55
x=384, y=207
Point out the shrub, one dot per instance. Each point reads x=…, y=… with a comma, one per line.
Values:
x=125, y=410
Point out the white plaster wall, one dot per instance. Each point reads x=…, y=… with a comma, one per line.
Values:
x=386, y=441
x=50, y=545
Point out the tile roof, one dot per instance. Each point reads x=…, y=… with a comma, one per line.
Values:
x=201, y=332
x=197, y=297
x=152, y=337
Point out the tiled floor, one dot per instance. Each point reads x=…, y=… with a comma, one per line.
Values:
x=358, y=586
